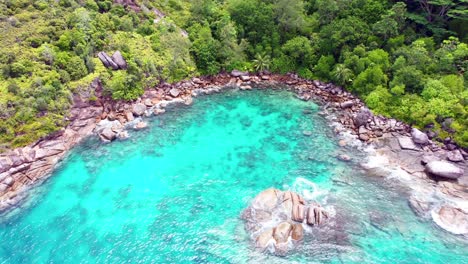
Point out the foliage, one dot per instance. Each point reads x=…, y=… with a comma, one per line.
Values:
x=406, y=59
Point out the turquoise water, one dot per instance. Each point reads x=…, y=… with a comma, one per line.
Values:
x=173, y=193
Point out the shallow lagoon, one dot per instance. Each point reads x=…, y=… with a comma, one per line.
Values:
x=174, y=192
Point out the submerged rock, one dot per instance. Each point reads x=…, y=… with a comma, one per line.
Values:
x=140, y=125
x=275, y=219
x=344, y=157
x=444, y=169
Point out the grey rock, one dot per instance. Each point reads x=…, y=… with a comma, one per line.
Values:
x=428, y=158
x=103, y=124
x=347, y=104
x=444, y=169
x=431, y=134
x=455, y=156
x=140, y=125
x=158, y=111
x=451, y=146
x=446, y=124
x=138, y=109
x=407, y=143
x=9, y=181
x=119, y=60
x=245, y=78
x=197, y=81
x=122, y=135
x=463, y=181
x=263, y=240
x=148, y=102
x=420, y=206
x=3, y=176
x=129, y=116
x=362, y=117
x=21, y=168
x=454, y=220
x=464, y=153
x=108, y=135
x=419, y=137
x=44, y=153
x=16, y=160
x=378, y=133
x=3, y=187
x=174, y=92
x=364, y=137
x=5, y=164
x=362, y=130
x=282, y=232
x=237, y=73
x=107, y=61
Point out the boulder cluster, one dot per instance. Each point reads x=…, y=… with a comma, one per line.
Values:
x=276, y=219
x=115, y=62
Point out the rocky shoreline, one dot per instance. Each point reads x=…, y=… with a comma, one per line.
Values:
x=436, y=172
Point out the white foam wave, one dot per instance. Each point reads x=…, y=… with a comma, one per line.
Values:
x=308, y=189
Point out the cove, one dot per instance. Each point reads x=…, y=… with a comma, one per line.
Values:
x=173, y=193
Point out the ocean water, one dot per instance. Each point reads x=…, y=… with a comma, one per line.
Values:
x=173, y=193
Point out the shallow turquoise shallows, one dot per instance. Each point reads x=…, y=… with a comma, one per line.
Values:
x=174, y=193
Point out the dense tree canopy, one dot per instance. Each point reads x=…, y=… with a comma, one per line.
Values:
x=406, y=59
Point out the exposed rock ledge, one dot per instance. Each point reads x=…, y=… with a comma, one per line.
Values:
x=396, y=141
x=278, y=220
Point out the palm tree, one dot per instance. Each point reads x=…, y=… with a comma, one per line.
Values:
x=342, y=75
x=262, y=62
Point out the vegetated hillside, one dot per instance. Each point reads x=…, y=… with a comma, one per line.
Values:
x=406, y=59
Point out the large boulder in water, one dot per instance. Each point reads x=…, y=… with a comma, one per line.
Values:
x=444, y=169
x=275, y=218
x=282, y=232
x=266, y=200
x=454, y=220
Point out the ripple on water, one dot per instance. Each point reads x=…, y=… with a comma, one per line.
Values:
x=173, y=193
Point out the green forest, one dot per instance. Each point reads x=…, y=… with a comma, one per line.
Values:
x=405, y=59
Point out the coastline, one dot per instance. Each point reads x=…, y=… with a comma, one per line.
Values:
x=22, y=168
